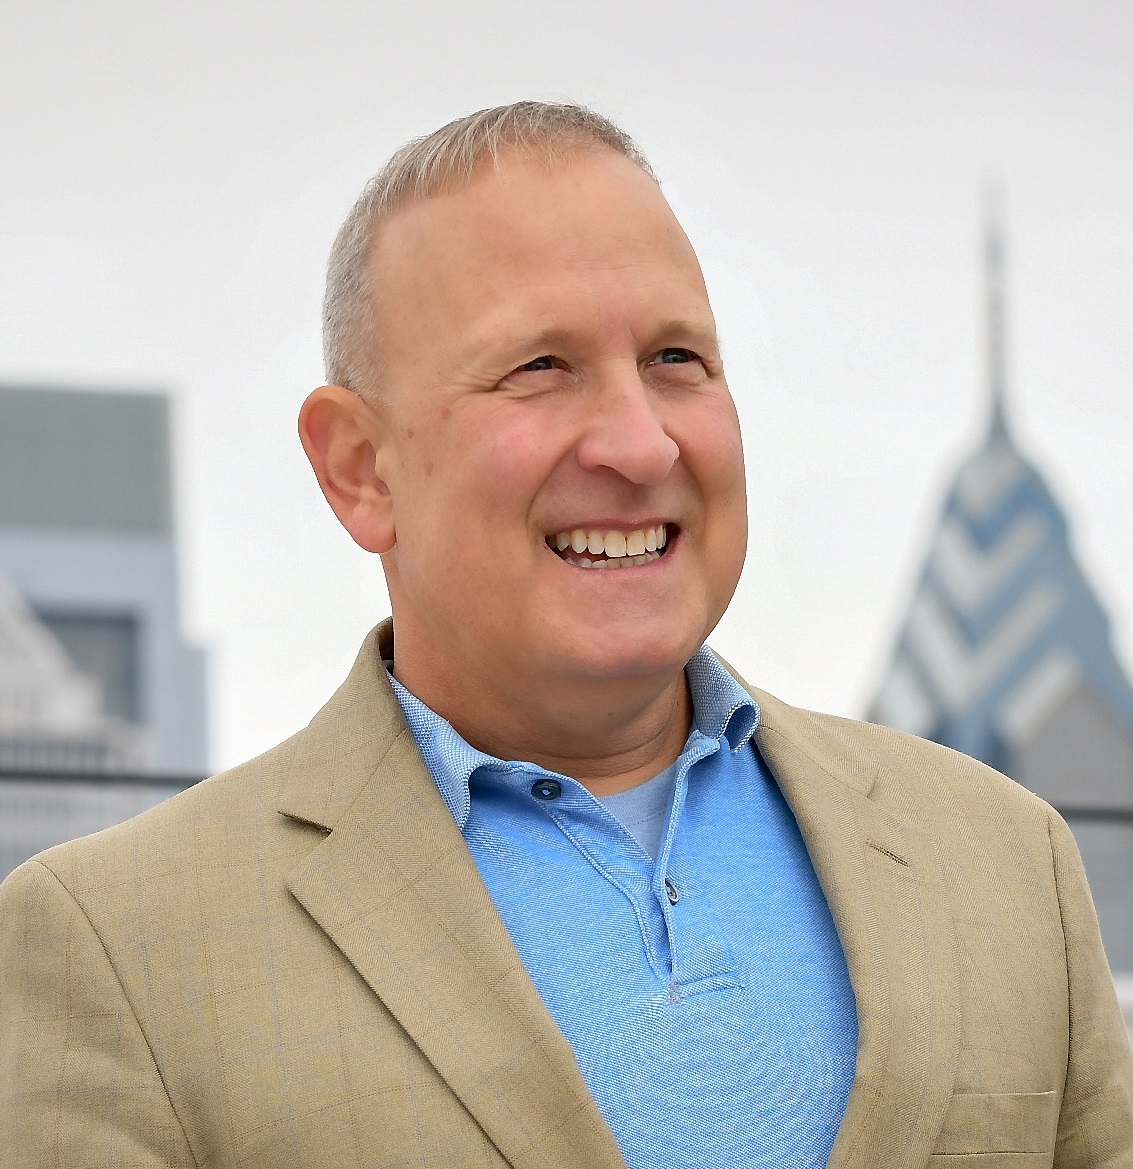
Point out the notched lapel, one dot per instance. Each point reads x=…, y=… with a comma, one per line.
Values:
x=395, y=888
x=883, y=881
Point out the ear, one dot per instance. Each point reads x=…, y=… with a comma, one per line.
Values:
x=348, y=442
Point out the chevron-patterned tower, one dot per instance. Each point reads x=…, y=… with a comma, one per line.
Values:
x=1006, y=653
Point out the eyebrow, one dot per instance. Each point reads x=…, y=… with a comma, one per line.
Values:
x=682, y=326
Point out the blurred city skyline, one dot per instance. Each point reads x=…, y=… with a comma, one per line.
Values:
x=173, y=180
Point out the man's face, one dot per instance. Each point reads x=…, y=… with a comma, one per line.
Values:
x=551, y=377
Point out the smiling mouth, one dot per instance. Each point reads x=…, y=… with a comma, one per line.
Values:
x=592, y=548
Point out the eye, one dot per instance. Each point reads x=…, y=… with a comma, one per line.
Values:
x=538, y=365
x=545, y=374
x=675, y=357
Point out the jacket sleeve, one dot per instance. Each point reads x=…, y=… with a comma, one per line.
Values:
x=78, y=1083
x=1095, y=1129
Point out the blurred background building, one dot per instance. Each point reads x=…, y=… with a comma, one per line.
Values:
x=102, y=702
x=1006, y=652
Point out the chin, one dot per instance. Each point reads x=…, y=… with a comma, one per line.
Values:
x=610, y=655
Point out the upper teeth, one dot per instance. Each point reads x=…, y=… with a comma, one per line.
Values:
x=614, y=544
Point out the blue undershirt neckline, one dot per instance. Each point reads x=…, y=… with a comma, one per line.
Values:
x=644, y=809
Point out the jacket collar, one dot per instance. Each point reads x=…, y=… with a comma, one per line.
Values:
x=344, y=744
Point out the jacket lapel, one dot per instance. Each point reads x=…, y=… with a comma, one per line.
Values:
x=395, y=889
x=882, y=878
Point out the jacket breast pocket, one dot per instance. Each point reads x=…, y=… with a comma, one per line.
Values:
x=1018, y=1126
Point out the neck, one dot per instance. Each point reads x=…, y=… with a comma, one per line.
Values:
x=609, y=734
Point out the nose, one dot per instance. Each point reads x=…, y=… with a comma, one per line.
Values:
x=624, y=431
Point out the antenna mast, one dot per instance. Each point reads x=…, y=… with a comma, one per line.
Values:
x=993, y=277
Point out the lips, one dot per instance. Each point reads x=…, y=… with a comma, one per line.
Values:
x=610, y=548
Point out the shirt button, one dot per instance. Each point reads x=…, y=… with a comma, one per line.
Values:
x=671, y=892
x=547, y=789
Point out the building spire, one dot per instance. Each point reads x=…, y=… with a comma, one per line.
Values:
x=993, y=277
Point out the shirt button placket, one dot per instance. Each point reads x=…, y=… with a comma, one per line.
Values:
x=672, y=896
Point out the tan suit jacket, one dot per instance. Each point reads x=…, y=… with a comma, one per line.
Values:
x=297, y=964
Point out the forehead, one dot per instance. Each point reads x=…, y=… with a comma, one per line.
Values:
x=590, y=233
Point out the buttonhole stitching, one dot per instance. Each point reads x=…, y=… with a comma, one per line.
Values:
x=887, y=852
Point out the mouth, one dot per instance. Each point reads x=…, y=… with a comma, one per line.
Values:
x=612, y=548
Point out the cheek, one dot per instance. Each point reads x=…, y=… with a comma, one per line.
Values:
x=713, y=453
x=507, y=456
x=712, y=448
x=475, y=468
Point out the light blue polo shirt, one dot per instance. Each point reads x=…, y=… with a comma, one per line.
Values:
x=703, y=988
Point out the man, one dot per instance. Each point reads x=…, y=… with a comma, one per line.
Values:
x=544, y=884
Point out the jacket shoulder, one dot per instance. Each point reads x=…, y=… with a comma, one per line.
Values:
x=903, y=770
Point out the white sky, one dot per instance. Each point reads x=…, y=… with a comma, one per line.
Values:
x=171, y=178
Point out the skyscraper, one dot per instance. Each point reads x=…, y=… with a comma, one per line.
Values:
x=88, y=555
x=1006, y=652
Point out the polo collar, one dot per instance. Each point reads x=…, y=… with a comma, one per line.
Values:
x=722, y=709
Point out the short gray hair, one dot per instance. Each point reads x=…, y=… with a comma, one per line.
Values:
x=443, y=161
